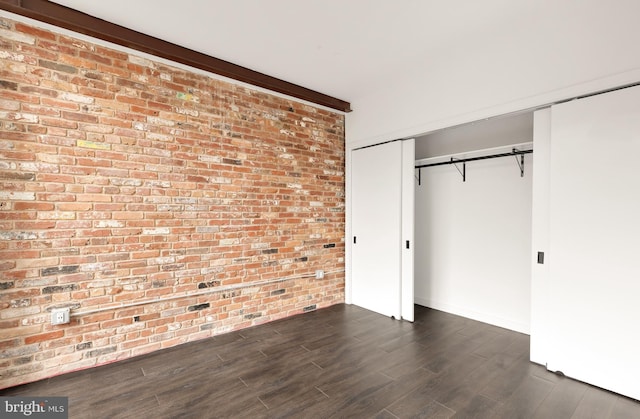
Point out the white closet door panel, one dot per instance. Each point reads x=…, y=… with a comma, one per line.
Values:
x=376, y=227
x=408, y=227
x=594, y=255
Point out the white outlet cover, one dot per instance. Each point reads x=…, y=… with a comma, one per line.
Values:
x=60, y=315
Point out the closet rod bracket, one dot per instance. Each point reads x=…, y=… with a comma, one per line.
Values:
x=462, y=172
x=520, y=162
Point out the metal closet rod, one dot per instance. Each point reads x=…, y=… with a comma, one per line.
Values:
x=491, y=156
x=514, y=152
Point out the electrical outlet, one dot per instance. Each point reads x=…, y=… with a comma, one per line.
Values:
x=60, y=315
x=319, y=274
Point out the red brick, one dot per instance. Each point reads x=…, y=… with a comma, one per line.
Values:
x=113, y=70
x=38, y=91
x=43, y=337
x=38, y=33
x=59, y=103
x=22, y=97
x=95, y=57
x=83, y=117
x=95, y=93
x=53, y=46
x=58, y=122
x=35, y=206
x=132, y=100
x=96, y=318
x=133, y=343
x=118, y=55
x=77, y=62
x=116, y=323
x=82, y=206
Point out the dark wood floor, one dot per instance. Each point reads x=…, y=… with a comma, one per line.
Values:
x=342, y=361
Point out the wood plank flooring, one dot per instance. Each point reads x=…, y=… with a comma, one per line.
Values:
x=338, y=362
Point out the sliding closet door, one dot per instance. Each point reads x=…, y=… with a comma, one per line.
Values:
x=594, y=254
x=377, y=221
x=408, y=228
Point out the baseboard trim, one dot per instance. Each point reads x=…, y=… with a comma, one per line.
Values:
x=475, y=315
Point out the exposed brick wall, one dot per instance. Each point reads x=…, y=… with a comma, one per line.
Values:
x=123, y=180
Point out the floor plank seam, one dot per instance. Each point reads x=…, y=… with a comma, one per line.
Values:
x=323, y=393
x=386, y=375
x=536, y=376
x=446, y=407
x=385, y=410
x=263, y=403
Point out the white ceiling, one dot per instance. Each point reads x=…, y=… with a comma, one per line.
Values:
x=342, y=48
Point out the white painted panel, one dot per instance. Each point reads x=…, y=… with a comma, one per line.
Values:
x=408, y=227
x=594, y=266
x=473, y=241
x=376, y=225
x=540, y=236
x=490, y=133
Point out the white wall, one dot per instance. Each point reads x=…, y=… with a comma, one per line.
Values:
x=561, y=49
x=473, y=241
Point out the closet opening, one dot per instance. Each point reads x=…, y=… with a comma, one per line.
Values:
x=473, y=220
